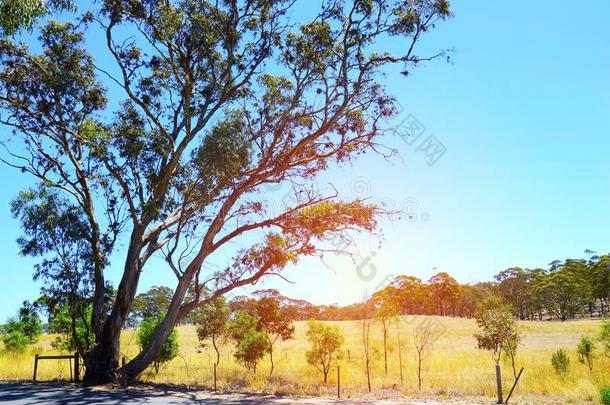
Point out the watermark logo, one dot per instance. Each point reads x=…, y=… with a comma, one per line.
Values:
x=366, y=269
x=360, y=186
x=432, y=148
x=411, y=130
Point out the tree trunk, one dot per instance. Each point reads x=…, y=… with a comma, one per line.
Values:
x=217, y=351
x=101, y=363
x=399, y=350
x=149, y=353
x=271, y=358
x=385, y=350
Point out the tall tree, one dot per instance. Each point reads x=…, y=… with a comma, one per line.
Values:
x=219, y=99
x=444, y=289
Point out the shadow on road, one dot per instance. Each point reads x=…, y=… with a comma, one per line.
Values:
x=61, y=393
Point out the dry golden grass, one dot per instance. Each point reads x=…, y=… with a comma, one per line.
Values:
x=457, y=369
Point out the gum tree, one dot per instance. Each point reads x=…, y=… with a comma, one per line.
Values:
x=217, y=101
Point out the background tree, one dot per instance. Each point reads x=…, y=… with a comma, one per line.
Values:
x=55, y=230
x=27, y=322
x=217, y=100
x=425, y=333
x=152, y=303
x=169, y=350
x=325, y=343
x=366, y=340
x=273, y=324
x=251, y=349
x=604, y=336
x=250, y=343
x=444, y=290
x=212, y=320
x=386, y=310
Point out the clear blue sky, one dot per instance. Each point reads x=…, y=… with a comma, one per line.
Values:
x=523, y=111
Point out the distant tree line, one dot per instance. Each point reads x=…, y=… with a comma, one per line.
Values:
x=565, y=290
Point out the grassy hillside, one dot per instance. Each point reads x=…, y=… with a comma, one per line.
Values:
x=457, y=368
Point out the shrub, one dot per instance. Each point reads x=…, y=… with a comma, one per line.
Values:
x=15, y=342
x=585, y=349
x=560, y=361
x=604, y=394
x=169, y=350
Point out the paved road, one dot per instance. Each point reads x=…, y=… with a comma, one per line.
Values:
x=56, y=393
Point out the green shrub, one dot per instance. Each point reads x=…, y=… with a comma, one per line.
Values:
x=560, y=361
x=604, y=394
x=586, y=351
x=15, y=342
x=169, y=350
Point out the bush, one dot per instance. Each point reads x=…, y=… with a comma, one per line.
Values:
x=560, y=361
x=604, y=394
x=15, y=342
x=586, y=351
x=169, y=350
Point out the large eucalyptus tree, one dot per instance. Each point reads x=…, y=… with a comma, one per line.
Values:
x=218, y=99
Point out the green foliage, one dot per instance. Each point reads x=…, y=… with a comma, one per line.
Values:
x=498, y=329
x=16, y=15
x=241, y=325
x=560, y=362
x=61, y=320
x=251, y=344
x=251, y=348
x=324, y=346
x=169, y=349
x=271, y=320
x=212, y=320
x=27, y=323
x=15, y=341
x=604, y=336
x=604, y=394
x=586, y=351
x=152, y=303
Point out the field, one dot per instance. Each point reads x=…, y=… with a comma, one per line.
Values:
x=457, y=368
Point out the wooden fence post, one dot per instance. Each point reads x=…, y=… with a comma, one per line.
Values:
x=76, y=367
x=499, y=384
x=338, y=382
x=35, y=366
